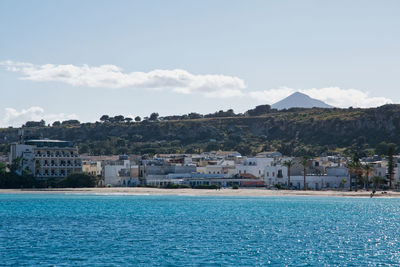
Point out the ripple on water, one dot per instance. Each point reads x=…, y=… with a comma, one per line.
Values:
x=192, y=231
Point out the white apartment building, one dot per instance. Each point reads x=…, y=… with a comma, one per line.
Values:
x=120, y=173
x=276, y=173
x=255, y=166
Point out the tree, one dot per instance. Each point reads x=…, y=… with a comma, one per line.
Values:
x=304, y=163
x=78, y=180
x=84, y=149
x=259, y=110
x=194, y=115
x=56, y=123
x=383, y=148
x=128, y=120
x=342, y=182
x=2, y=169
x=390, y=167
x=16, y=165
x=137, y=119
x=104, y=118
x=230, y=113
x=118, y=119
x=41, y=123
x=368, y=169
x=288, y=164
x=153, y=116
x=71, y=122
x=377, y=181
x=355, y=170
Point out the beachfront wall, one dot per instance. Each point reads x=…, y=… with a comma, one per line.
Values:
x=314, y=182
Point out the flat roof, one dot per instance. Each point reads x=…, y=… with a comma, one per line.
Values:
x=49, y=143
x=46, y=140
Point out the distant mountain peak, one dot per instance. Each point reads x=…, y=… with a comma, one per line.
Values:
x=299, y=94
x=300, y=100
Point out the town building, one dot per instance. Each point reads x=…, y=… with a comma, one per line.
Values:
x=45, y=158
x=93, y=168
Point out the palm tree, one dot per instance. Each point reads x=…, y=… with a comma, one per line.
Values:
x=288, y=164
x=350, y=167
x=377, y=180
x=368, y=169
x=304, y=162
x=354, y=170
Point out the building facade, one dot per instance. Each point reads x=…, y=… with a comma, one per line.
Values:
x=46, y=158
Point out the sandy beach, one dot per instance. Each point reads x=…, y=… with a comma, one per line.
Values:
x=199, y=192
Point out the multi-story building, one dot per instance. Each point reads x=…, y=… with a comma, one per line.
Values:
x=46, y=158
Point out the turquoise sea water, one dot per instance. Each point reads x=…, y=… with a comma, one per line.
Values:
x=197, y=231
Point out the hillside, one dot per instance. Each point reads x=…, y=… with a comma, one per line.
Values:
x=293, y=132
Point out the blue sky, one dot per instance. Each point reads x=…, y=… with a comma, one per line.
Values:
x=175, y=57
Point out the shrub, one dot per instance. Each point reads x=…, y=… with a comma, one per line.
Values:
x=235, y=186
x=174, y=186
x=279, y=186
x=77, y=180
x=204, y=186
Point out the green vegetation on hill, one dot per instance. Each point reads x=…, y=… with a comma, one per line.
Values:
x=295, y=132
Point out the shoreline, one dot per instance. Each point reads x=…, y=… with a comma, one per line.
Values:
x=248, y=192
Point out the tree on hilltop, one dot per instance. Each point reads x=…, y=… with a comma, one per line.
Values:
x=118, y=119
x=104, y=118
x=154, y=116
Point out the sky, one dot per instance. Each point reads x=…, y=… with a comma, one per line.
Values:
x=73, y=59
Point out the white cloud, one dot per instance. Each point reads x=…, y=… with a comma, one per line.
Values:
x=334, y=96
x=344, y=98
x=111, y=76
x=17, y=118
x=182, y=82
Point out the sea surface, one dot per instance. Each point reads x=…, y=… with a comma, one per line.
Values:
x=111, y=230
